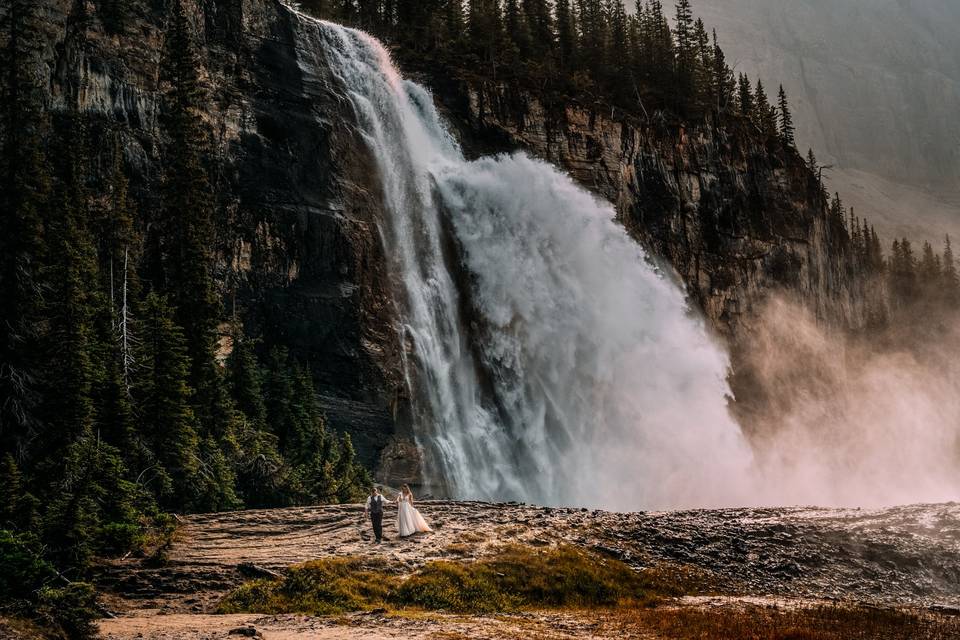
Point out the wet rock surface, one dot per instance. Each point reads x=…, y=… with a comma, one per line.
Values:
x=898, y=556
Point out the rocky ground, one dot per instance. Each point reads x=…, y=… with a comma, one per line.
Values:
x=901, y=557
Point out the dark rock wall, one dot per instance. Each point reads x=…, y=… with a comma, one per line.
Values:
x=299, y=257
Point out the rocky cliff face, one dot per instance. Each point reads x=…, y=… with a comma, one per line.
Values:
x=300, y=260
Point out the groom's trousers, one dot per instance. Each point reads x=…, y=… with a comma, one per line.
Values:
x=377, y=520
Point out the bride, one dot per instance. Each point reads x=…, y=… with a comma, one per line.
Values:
x=409, y=520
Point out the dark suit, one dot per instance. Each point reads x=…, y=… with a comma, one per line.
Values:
x=375, y=507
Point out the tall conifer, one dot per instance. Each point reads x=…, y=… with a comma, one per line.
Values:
x=189, y=201
x=787, y=130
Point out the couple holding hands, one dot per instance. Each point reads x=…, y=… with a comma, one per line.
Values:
x=409, y=520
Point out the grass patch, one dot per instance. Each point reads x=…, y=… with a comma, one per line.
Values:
x=321, y=587
x=683, y=580
x=22, y=629
x=472, y=536
x=514, y=578
x=157, y=540
x=765, y=623
x=458, y=549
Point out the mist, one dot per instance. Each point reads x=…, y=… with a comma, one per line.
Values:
x=837, y=420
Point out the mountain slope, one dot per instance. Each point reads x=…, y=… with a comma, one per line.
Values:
x=875, y=86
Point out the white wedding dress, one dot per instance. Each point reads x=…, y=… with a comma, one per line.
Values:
x=409, y=520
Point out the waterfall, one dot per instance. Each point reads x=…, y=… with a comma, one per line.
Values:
x=563, y=368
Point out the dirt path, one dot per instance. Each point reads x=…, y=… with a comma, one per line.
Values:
x=549, y=626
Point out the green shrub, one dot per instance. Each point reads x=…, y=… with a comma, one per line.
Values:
x=72, y=608
x=258, y=596
x=564, y=577
x=117, y=538
x=22, y=570
x=27, y=589
x=454, y=586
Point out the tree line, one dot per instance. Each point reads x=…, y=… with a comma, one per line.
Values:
x=654, y=60
x=117, y=402
x=916, y=288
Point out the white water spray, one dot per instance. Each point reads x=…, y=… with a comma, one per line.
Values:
x=571, y=371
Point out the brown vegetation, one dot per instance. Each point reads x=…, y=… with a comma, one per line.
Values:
x=823, y=622
x=514, y=578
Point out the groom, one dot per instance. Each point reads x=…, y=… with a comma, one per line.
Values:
x=374, y=510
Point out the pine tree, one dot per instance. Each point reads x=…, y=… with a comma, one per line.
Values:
x=593, y=36
x=540, y=27
x=787, y=131
x=73, y=362
x=189, y=203
x=89, y=493
x=119, y=255
x=278, y=393
x=352, y=477
x=764, y=115
x=216, y=480
x=167, y=418
x=515, y=24
x=903, y=273
x=25, y=195
x=703, y=67
x=566, y=35
x=951, y=280
x=11, y=489
x=664, y=57
x=724, y=85
x=453, y=23
x=485, y=29
x=309, y=429
x=853, y=225
x=685, y=36
x=745, y=97
x=876, y=252
x=929, y=270
x=246, y=381
x=116, y=417
x=838, y=212
x=618, y=46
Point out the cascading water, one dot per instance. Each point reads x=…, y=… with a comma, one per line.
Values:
x=579, y=376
